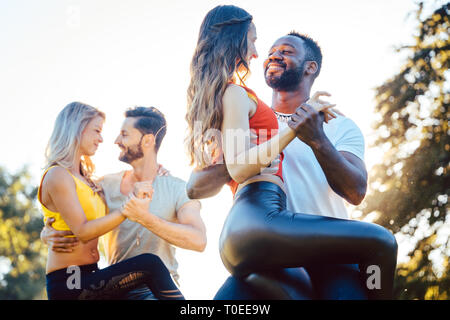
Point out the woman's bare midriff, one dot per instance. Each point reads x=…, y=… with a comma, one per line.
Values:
x=84, y=253
x=263, y=177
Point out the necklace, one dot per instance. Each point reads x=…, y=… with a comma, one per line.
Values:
x=283, y=117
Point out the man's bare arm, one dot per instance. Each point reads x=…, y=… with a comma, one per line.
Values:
x=207, y=182
x=187, y=232
x=345, y=172
x=56, y=240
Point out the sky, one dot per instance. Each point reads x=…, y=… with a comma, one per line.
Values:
x=118, y=54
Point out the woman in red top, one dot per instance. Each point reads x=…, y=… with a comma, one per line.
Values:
x=260, y=234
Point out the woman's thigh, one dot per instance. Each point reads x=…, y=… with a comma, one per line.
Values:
x=258, y=238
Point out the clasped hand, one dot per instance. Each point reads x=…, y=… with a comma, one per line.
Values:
x=138, y=201
x=307, y=121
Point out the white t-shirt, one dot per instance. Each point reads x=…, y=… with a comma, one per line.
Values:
x=307, y=188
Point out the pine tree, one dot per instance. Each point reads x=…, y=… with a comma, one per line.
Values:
x=410, y=188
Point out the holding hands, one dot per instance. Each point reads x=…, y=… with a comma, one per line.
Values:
x=143, y=189
x=322, y=106
x=138, y=201
x=307, y=121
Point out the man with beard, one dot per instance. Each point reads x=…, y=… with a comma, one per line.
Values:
x=321, y=168
x=173, y=219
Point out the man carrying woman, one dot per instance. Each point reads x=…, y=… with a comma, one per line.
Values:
x=260, y=234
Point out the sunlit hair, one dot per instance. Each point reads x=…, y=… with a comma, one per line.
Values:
x=65, y=140
x=220, y=55
x=313, y=51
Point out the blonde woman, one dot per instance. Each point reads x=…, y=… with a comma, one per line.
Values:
x=260, y=234
x=69, y=195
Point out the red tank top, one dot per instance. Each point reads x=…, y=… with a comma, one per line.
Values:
x=265, y=125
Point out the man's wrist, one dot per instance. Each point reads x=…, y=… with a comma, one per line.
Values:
x=320, y=145
x=145, y=218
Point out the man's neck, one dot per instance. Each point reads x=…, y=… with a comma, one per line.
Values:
x=288, y=101
x=144, y=169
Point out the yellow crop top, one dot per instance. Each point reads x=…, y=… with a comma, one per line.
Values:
x=92, y=204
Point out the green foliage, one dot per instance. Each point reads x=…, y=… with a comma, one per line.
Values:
x=412, y=183
x=20, y=245
x=417, y=279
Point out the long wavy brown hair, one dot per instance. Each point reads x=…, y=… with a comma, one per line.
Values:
x=220, y=56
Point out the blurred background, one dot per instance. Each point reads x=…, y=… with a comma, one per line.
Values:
x=386, y=64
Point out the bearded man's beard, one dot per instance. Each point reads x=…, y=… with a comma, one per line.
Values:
x=132, y=153
x=288, y=81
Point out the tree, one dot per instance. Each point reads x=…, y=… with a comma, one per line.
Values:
x=410, y=188
x=21, y=250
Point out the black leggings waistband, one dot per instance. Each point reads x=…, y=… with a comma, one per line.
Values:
x=261, y=186
x=63, y=273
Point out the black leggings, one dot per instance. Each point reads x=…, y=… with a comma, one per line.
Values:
x=112, y=282
x=260, y=234
x=282, y=284
x=323, y=282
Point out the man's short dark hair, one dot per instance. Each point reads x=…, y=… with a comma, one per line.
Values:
x=313, y=51
x=149, y=121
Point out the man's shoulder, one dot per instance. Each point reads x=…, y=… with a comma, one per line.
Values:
x=170, y=182
x=345, y=135
x=171, y=189
x=341, y=120
x=341, y=124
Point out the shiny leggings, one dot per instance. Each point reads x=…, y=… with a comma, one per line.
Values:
x=322, y=282
x=261, y=235
x=114, y=281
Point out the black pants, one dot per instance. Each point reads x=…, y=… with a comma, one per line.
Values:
x=324, y=282
x=261, y=235
x=282, y=284
x=112, y=282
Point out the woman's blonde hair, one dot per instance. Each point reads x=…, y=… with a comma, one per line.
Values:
x=65, y=140
x=221, y=53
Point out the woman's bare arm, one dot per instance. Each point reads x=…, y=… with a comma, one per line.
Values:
x=244, y=161
x=61, y=188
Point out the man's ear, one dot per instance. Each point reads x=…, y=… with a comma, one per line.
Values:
x=311, y=67
x=148, y=140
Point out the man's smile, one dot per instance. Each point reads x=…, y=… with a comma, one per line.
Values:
x=275, y=67
x=122, y=148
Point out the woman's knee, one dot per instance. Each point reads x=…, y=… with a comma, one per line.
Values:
x=386, y=242
x=230, y=252
x=148, y=260
x=243, y=253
